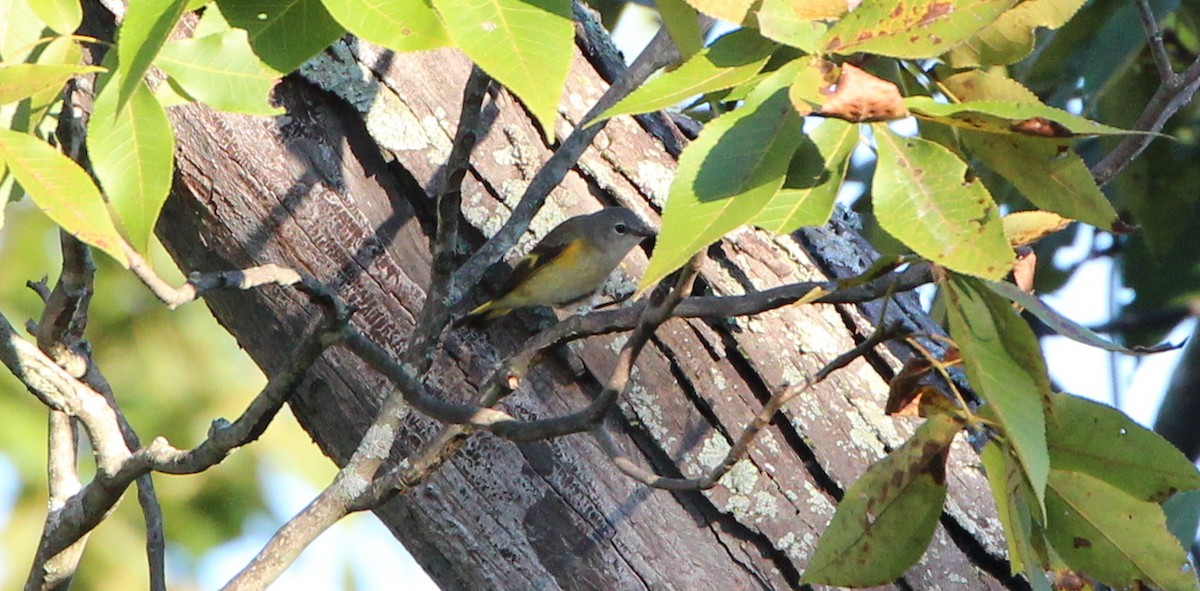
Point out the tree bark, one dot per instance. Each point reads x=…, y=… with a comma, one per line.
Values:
x=340, y=187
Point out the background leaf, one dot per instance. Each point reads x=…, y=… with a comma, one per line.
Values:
x=1011, y=36
x=920, y=198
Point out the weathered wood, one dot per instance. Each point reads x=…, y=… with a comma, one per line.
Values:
x=339, y=187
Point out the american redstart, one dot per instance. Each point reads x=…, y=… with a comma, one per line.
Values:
x=570, y=263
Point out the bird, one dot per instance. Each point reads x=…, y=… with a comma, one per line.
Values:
x=569, y=264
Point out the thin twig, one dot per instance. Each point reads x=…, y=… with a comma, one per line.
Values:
x=1155, y=37
x=199, y=284
x=1167, y=100
x=741, y=447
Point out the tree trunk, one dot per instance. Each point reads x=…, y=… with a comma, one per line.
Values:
x=340, y=187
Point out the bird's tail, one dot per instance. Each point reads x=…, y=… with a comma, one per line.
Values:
x=481, y=315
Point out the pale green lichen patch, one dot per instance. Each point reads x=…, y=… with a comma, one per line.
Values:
x=645, y=407
x=654, y=180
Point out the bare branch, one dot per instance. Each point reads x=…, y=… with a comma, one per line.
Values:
x=1167, y=100
x=1155, y=37
x=201, y=283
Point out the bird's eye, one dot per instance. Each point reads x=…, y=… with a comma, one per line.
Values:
x=620, y=228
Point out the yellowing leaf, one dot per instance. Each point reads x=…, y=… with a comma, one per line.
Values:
x=733, y=11
x=911, y=29
x=1005, y=367
x=1010, y=38
x=725, y=178
x=21, y=81
x=982, y=85
x=887, y=517
x=400, y=25
x=133, y=156
x=796, y=23
x=62, y=16
x=1026, y=227
x=1122, y=541
x=921, y=198
x=683, y=25
x=61, y=189
x=1050, y=176
x=1026, y=547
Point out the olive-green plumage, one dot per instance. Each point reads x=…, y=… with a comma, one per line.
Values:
x=569, y=264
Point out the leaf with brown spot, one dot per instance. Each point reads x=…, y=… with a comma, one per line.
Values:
x=911, y=28
x=1012, y=117
x=1122, y=541
x=861, y=97
x=887, y=517
x=920, y=199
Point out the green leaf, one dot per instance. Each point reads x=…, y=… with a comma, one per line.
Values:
x=133, y=156
x=729, y=61
x=1005, y=367
x=20, y=81
x=911, y=29
x=887, y=517
x=1011, y=493
x=1009, y=117
x=813, y=179
x=222, y=71
x=1120, y=540
x=725, y=178
x=921, y=198
x=1050, y=176
x=399, y=25
x=1102, y=441
x=144, y=31
x=526, y=45
x=284, y=33
x=61, y=189
x=1065, y=326
x=1010, y=37
x=683, y=25
x=796, y=23
x=62, y=16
